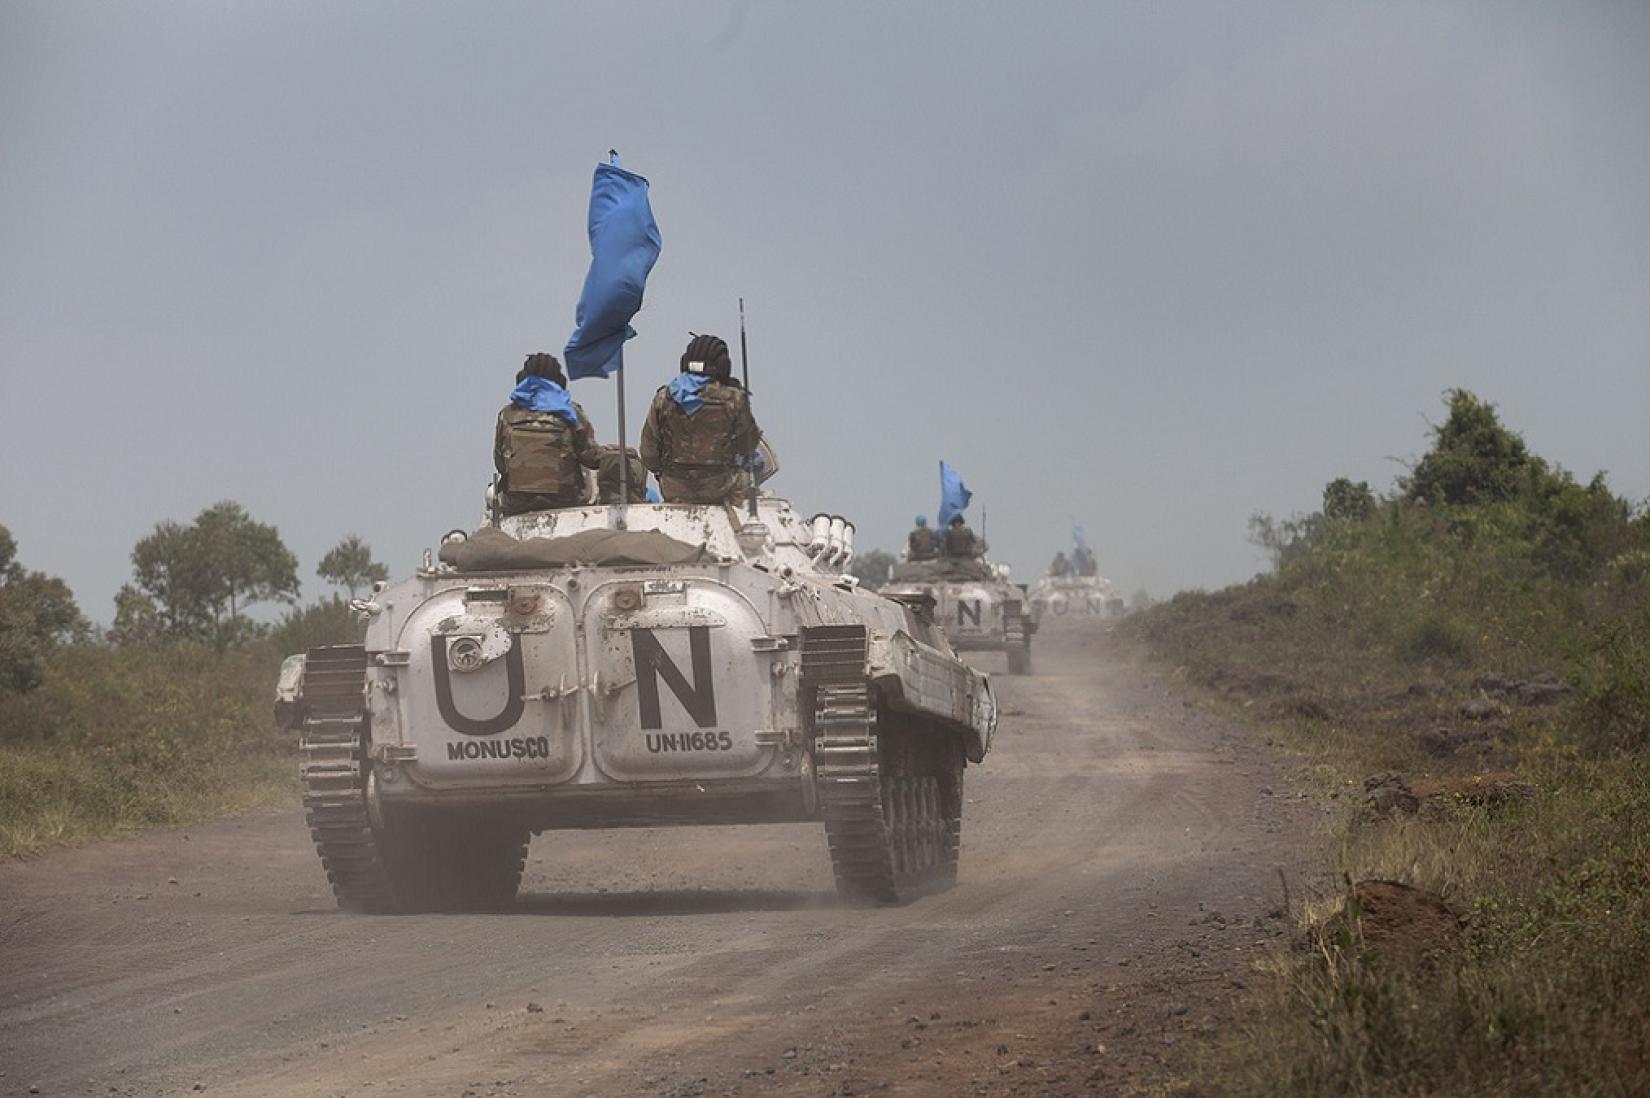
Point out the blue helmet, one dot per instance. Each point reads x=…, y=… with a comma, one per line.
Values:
x=922, y=520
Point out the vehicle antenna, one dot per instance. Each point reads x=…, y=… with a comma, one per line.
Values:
x=745, y=369
x=744, y=360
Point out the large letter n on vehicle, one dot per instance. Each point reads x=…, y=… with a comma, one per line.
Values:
x=653, y=663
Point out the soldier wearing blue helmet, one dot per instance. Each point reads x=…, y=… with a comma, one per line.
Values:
x=921, y=544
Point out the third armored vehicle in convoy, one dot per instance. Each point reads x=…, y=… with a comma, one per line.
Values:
x=645, y=665
x=975, y=601
x=1091, y=596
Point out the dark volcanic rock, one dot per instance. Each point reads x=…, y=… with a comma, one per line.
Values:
x=1387, y=793
x=1442, y=742
x=1545, y=688
x=1479, y=709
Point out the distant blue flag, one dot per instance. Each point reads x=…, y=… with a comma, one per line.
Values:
x=1077, y=537
x=624, y=245
x=954, y=495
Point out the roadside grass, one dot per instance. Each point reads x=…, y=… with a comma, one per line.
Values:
x=1390, y=646
x=1545, y=995
x=119, y=738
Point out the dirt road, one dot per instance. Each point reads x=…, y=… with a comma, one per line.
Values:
x=1120, y=854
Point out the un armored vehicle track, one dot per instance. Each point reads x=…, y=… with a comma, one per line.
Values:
x=1110, y=828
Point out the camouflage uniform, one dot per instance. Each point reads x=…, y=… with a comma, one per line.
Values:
x=697, y=457
x=961, y=542
x=607, y=477
x=921, y=545
x=541, y=459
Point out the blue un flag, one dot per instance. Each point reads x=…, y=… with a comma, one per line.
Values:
x=624, y=245
x=954, y=495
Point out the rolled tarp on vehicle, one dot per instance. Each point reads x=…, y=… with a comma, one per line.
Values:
x=492, y=550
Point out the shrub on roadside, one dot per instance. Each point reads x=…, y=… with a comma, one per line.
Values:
x=1433, y=636
x=1488, y=567
x=117, y=737
x=1611, y=668
x=169, y=718
x=1541, y=997
x=327, y=621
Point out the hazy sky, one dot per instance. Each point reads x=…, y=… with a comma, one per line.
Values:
x=1154, y=266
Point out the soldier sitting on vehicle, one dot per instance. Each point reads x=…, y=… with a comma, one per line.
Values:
x=963, y=553
x=543, y=442
x=960, y=542
x=1084, y=561
x=1060, y=566
x=921, y=544
x=700, y=436
x=607, y=477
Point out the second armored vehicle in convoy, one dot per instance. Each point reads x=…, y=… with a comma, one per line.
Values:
x=645, y=665
x=980, y=608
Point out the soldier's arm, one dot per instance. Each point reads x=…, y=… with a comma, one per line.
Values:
x=498, y=445
x=651, y=456
x=584, y=441
x=749, y=433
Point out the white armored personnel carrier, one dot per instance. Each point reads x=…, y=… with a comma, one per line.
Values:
x=656, y=664
x=974, y=600
x=1081, y=596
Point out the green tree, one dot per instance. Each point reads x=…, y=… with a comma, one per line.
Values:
x=198, y=580
x=1474, y=459
x=872, y=568
x=37, y=613
x=137, y=617
x=1285, y=540
x=1346, y=501
x=1574, y=528
x=247, y=562
x=349, y=565
x=171, y=585
x=325, y=621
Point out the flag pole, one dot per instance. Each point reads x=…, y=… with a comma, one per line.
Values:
x=624, y=456
x=624, y=452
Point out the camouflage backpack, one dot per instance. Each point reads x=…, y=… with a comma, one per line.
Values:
x=959, y=542
x=707, y=438
x=539, y=456
x=607, y=477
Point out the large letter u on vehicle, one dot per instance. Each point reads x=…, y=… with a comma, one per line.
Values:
x=514, y=703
